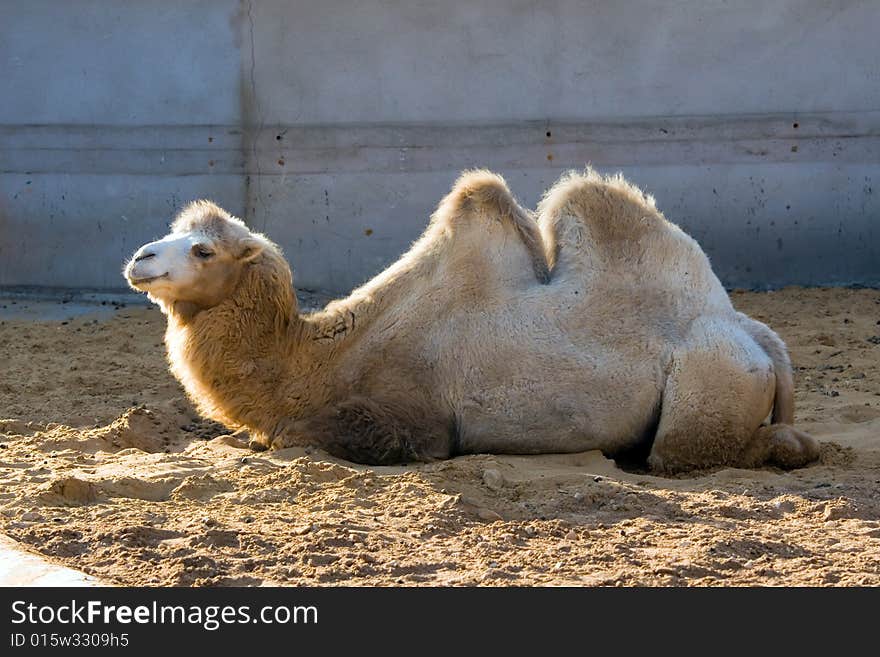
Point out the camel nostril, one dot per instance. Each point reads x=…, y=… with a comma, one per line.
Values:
x=143, y=256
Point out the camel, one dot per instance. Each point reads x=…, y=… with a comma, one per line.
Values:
x=598, y=325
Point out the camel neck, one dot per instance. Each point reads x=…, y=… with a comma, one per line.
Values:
x=234, y=359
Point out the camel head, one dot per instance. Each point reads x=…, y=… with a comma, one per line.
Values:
x=200, y=262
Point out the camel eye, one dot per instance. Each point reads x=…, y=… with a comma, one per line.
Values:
x=200, y=251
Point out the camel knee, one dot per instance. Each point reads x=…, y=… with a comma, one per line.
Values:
x=364, y=430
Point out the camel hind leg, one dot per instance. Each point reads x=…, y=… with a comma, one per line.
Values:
x=787, y=447
x=719, y=390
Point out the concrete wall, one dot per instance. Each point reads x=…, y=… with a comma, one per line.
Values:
x=104, y=129
x=336, y=127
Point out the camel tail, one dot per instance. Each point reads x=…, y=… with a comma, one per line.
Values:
x=774, y=347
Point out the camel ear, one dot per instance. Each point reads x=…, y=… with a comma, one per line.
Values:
x=249, y=249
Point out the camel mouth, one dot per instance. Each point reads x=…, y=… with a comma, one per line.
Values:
x=146, y=280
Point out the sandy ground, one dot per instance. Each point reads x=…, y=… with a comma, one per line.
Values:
x=104, y=467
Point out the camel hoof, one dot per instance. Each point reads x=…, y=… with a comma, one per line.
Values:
x=257, y=446
x=790, y=448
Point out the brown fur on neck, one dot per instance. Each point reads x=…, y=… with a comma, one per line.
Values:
x=233, y=357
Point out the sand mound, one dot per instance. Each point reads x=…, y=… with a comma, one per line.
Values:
x=138, y=428
x=67, y=491
x=105, y=467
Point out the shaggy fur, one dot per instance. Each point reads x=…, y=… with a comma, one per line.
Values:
x=600, y=326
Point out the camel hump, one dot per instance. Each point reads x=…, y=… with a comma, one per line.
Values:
x=480, y=199
x=482, y=190
x=589, y=221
